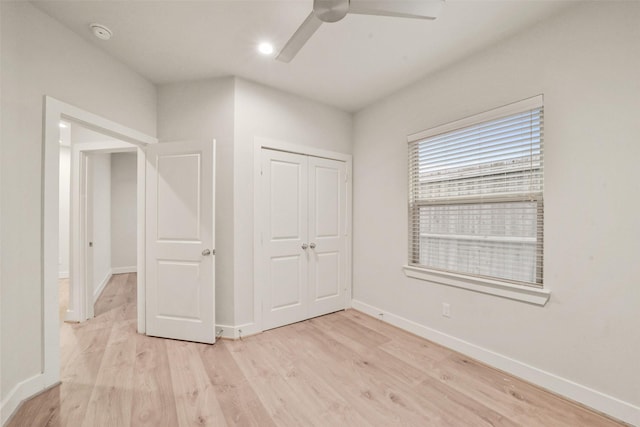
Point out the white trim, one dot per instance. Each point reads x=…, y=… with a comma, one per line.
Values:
x=610, y=405
x=237, y=332
x=69, y=315
x=103, y=283
x=267, y=143
x=257, y=234
x=141, y=276
x=55, y=110
x=515, y=292
x=23, y=391
x=273, y=144
x=513, y=108
x=124, y=270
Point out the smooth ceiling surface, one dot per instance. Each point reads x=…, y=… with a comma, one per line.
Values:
x=348, y=64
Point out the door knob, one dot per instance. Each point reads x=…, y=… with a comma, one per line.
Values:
x=312, y=245
x=304, y=246
x=206, y=252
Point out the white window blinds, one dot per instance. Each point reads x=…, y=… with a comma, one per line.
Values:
x=475, y=195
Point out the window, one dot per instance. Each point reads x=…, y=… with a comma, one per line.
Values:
x=475, y=199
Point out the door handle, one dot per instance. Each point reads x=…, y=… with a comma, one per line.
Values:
x=206, y=252
x=312, y=245
x=304, y=246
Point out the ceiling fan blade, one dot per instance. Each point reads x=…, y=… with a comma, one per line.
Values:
x=419, y=9
x=299, y=38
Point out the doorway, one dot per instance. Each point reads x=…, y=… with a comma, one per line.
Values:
x=161, y=187
x=103, y=217
x=97, y=241
x=55, y=112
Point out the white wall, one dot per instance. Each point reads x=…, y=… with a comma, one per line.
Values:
x=64, y=209
x=235, y=111
x=586, y=62
x=123, y=211
x=41, y=57
x=100, y=170
x=264, y=112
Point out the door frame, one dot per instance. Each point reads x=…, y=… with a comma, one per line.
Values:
x=81, y=299
x=259, y=286
x=54, y=111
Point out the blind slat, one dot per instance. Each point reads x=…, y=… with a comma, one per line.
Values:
x=475, y=199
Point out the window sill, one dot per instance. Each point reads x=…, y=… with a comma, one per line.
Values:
x=486, y=286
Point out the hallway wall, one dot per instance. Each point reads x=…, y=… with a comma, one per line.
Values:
x=124, y=225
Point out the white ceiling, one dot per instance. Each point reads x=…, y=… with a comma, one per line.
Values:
x=348, y=64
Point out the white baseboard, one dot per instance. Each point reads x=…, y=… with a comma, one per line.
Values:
x=63, y=274
x=123, y=270
x=22, y=391
x=612, y=406
x=100, y=288
x=70, y=316
x=237, y=332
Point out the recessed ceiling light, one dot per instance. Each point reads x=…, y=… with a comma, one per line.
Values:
x=265, y=48
x=101, y=31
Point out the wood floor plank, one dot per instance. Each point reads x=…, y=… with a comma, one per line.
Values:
x=367, y=381
x=338, y=374
x=112, y=397
x=522, y=401
x=153, y=400
x=43, y=410
x=108, y=296
x=314, y=391
x=239, y=402
x=196, y=402
x=279, y=399
x=79, y=377
x=342, y=369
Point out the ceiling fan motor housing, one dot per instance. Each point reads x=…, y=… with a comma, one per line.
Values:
x=330, y=10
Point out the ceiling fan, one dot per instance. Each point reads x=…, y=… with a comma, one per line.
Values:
x=335, y=10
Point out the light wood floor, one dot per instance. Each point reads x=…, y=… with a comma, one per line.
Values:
x=343, y=369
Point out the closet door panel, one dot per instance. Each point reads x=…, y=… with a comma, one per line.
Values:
x=285, y=233
x=327, y=204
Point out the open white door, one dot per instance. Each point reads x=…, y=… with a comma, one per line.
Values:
x=180, y=241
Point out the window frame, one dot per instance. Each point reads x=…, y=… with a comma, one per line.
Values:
x=502, y=288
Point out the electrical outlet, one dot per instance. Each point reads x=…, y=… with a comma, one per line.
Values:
x=446, y=309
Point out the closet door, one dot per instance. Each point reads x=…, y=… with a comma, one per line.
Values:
x=284, y=238
x=327, y=240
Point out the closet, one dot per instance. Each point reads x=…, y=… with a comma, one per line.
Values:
x=304, y=240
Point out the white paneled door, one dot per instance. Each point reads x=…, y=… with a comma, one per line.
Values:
x=180, y=241
x=303, y=238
